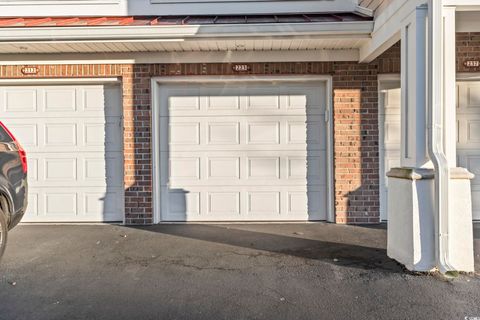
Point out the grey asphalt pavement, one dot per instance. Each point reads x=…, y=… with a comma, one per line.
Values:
x=249, y=271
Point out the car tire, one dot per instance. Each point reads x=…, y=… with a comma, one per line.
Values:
x=3, y=233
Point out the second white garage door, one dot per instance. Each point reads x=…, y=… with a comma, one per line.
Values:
x=468, y=137
x=253, y=152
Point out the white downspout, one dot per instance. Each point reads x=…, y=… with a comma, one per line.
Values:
x=436, y=136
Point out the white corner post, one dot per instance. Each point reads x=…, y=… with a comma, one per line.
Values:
x=430, y=218
x=455, y=229
x=411, y=227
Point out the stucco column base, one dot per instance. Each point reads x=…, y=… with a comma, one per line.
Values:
x=411, y=228
x=411, y=219
x=461, y=226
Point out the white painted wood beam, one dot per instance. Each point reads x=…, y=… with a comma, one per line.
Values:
x=182, y=57
x=414, y=88
x=387, y=28
x=449, y=85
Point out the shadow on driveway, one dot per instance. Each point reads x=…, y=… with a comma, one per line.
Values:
x=339, y=253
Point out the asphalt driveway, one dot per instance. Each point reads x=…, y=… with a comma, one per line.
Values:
x=290, y=271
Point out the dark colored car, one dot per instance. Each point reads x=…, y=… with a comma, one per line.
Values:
x=13, y=184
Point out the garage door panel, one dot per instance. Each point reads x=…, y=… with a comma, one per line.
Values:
x=391, y=102
x=54, y=169
x=259, y=101
x=243, y=168
x=233, y=133
x=60, y=169
x=312, y=111
x=263, y=167
x=61, y=204
x=60, y=101
x=60, y=135
x=468, y=97
x=392, y=132
x=223, y=167
x=476, y=203
x=73, y=138
x=103, y=170
x=470, y=159
x=224, y=102
x=71, y=135
x=184, y=167
x=18, y=99
x=267, y=132
x=94, y=100
x=468, y=131
x=223, y=133
x=26, y=132
x=261, y=203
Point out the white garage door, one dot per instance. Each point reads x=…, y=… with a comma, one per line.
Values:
x=73, y=138
x=389, y=118
x=468, y=146
x=243, y=152
x=468, y=143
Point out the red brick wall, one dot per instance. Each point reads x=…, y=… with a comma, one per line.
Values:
x=468, y=48
x=355, y=126
x=355, y=120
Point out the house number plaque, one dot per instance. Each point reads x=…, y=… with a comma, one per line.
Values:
x=29, y=70
x=241, y=67
x=472, y=63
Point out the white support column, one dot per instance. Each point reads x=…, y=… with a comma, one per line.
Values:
x=458, y=227
x=411, y=228
x=449, y=85
x=430, y=218
x=414, y=89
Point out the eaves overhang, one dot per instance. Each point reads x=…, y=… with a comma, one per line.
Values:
x=115, y=33
x=313, y=32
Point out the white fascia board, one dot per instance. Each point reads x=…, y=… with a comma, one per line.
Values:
x=105, y=33
x=364, y=11
x=387, y=28
x=182, y=57
x=467, y=4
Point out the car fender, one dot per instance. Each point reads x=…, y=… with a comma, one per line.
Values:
x=7, y=194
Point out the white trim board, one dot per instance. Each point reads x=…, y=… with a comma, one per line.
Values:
x=46, y=81
x=156, y=82
x=182, y=57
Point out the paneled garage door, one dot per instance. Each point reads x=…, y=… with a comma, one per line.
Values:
x=73, y=138
x=468, y=145
x=468, y=140
x=243, y=152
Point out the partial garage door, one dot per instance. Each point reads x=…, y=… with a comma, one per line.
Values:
x=468, y=140
x=238, y=152
x=389, y=118
x=73, y=138
x=468, y=146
